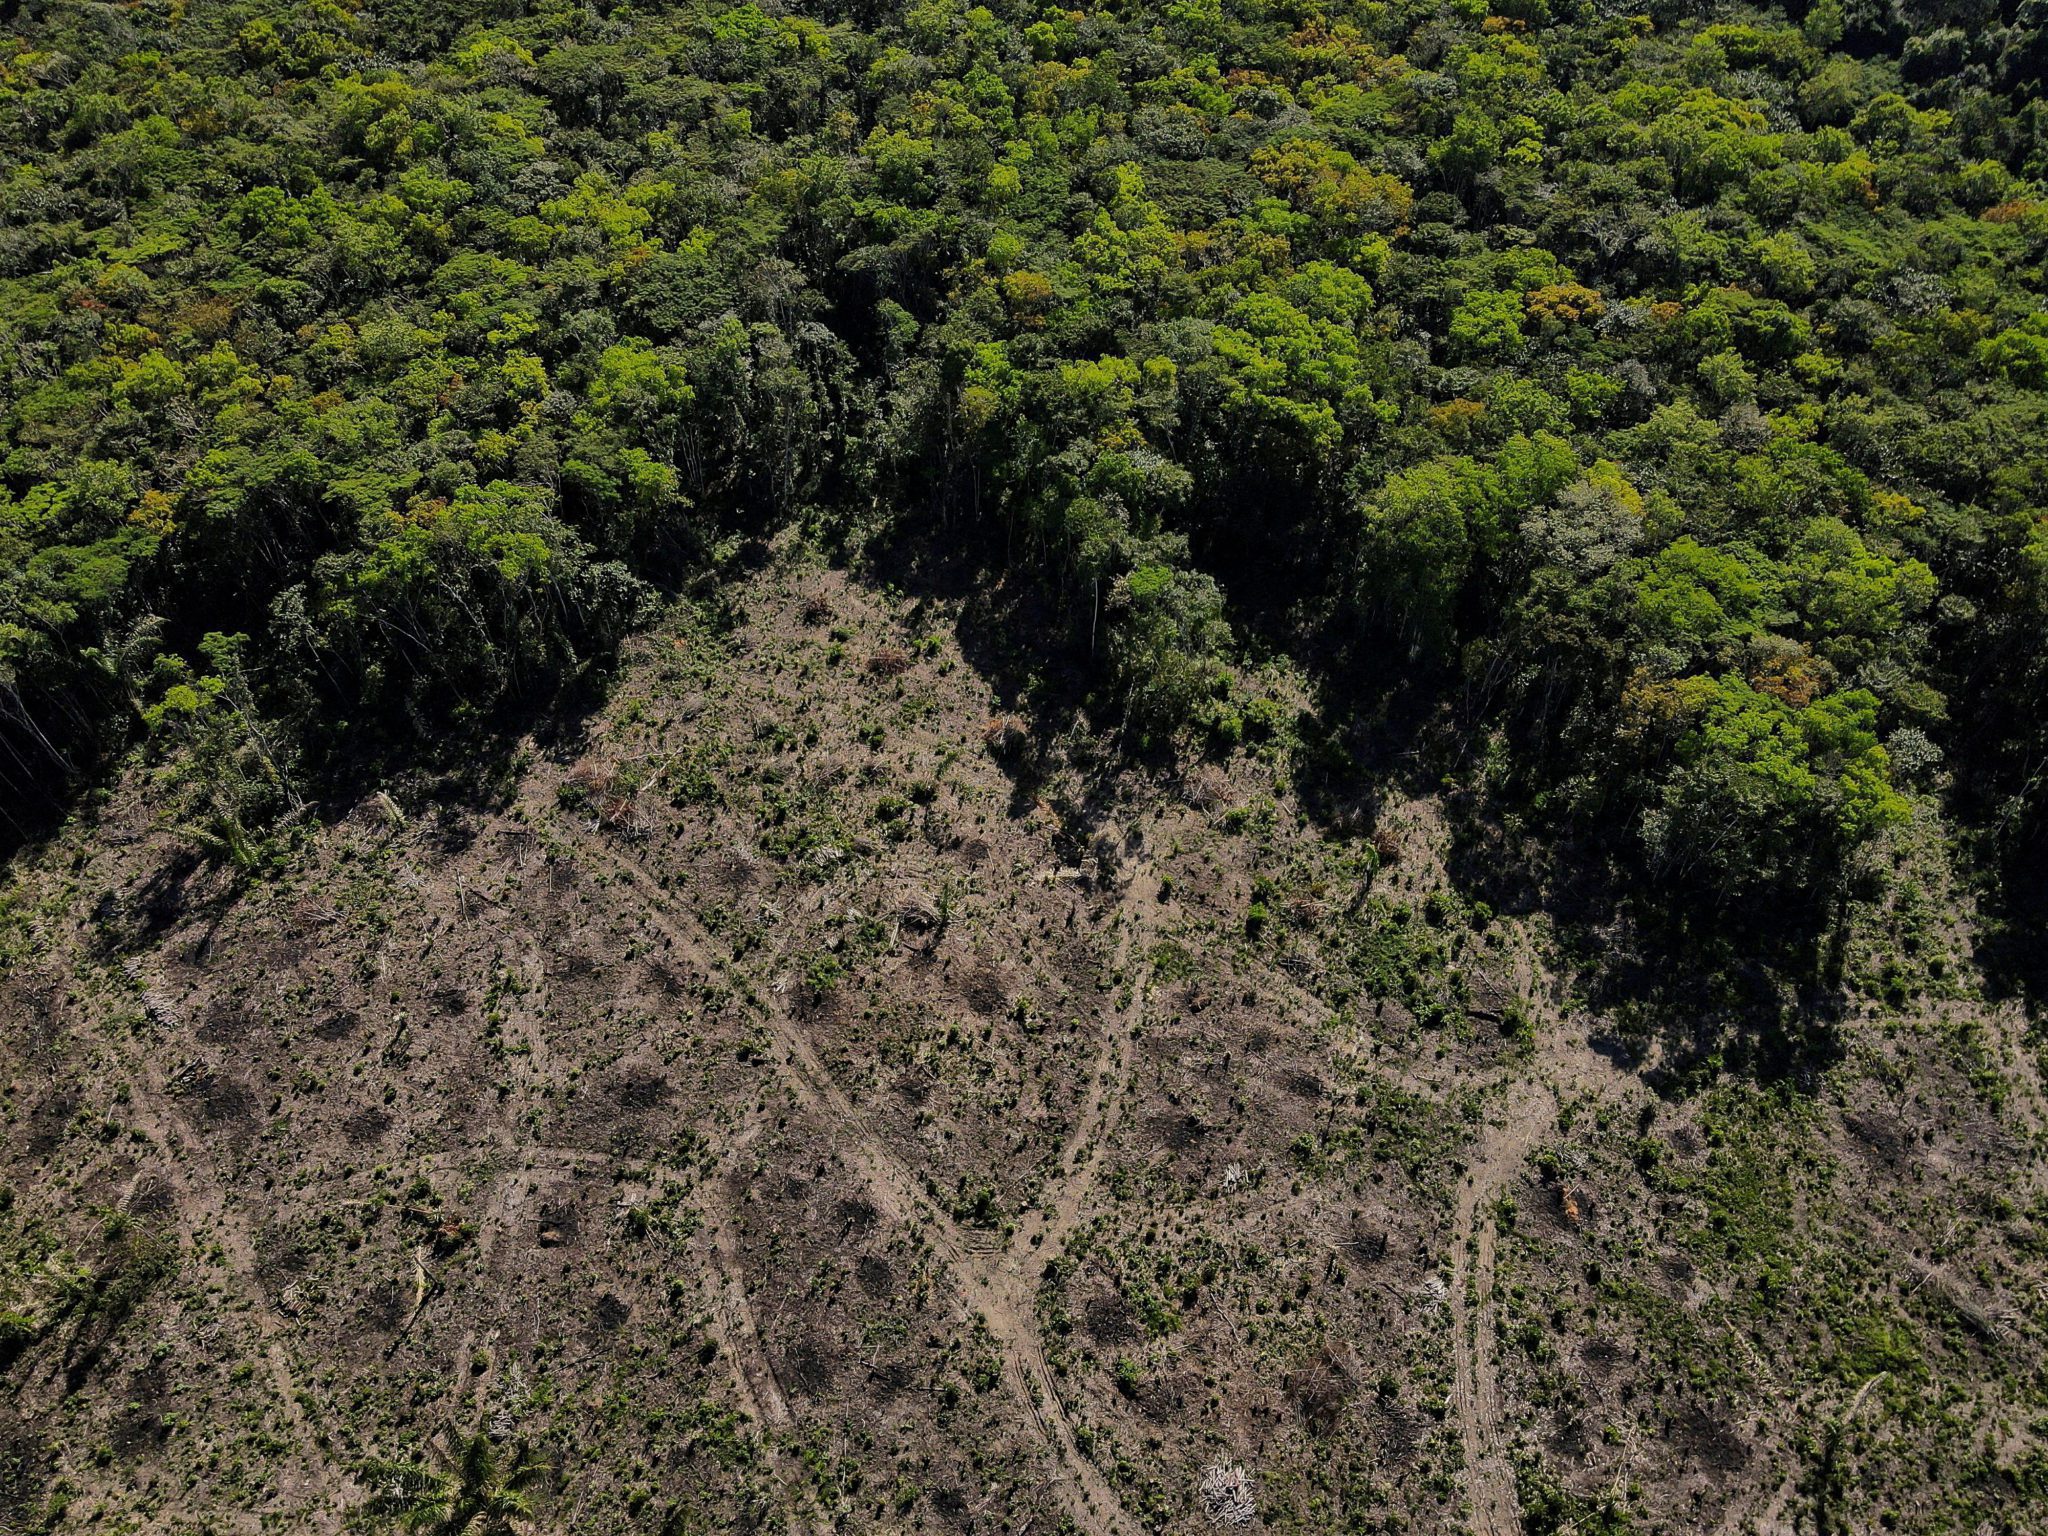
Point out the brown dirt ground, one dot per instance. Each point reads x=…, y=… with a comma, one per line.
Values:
x=785, y=1119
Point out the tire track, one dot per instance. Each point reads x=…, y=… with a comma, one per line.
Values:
x=1009, y=1275
x=1108, y=1089
x=734, y=1325
x=1000, y=1290
x=896, y=1189
x=198, y=1191
x=1504, y=1147
x=1528, y=1115
x=729, y=1318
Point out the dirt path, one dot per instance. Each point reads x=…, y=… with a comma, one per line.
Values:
x=729, y=1317
x=1048, y=1224
x=1010, y=1278
x=895, y=1189
x=735, y=1327
x=1504, y=1146
x=1563, y=1067
x=1001, y=1288
x=201, y=1199
x=738, y=1333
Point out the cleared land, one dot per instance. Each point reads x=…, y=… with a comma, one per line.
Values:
x=811, y=1099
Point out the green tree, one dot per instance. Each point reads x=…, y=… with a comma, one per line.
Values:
x=1168, y=636
x=1759, y=793
x=478, y=1493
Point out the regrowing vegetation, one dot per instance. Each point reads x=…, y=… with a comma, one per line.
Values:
x=1194, y=765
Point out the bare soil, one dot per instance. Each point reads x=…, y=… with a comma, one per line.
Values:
x=794, y=1105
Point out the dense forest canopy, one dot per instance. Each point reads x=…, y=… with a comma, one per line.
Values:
x=1665, y=389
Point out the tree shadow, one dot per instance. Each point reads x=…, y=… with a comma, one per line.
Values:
x=184, y=886
x=446, y=771
x=2012, y=949
x=1018, y=637
x=40, y=789
x=1688, y=983
x=1372, y=734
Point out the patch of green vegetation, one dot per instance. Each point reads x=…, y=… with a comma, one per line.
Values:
x=1550, y=1508
x=1745, y=1194
x=1386, y=952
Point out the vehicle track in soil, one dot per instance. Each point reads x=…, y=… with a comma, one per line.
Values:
x=728, y=1319
x=735, y=1327
x=1013, y=1274
x=1504, y=1146
x=202, y=1200
x=1000, y=1283
x=1528, y=1114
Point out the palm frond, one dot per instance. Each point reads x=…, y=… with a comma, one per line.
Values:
x=403, y=1490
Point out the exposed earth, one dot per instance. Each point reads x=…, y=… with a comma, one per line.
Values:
x=809, y=1096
